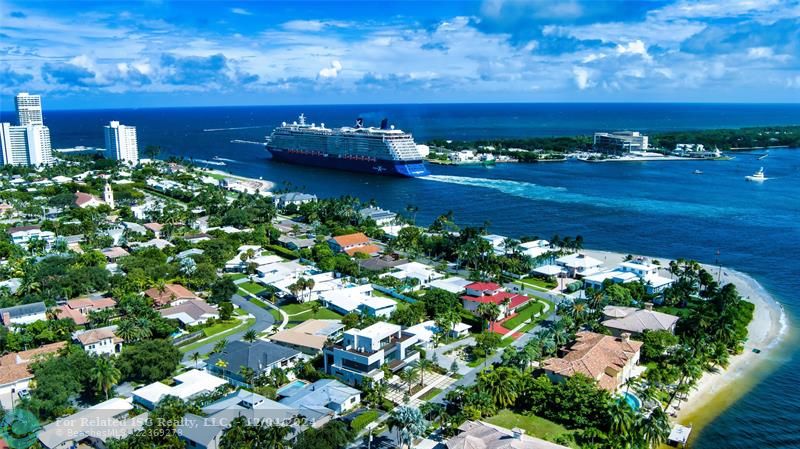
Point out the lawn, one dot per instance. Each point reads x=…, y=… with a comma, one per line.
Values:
x=252, y=287
x=296, y=307
x=532, y=308
x=537, y=282
x=236, y=276
x=432, y=393
x=532, y=424
x=220, y=327
x=191, y=347
x=322, y=314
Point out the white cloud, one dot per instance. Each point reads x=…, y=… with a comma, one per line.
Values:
x=332, y=71
x=581, y=76
x=241, y=11
x=636, y=47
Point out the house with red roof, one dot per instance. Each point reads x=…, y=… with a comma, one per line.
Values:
x=489, y=292
x=78, y=309
x=353, y=243
x=84, y=200
x=172, y=294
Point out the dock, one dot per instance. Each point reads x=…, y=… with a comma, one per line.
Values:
x=679, y=435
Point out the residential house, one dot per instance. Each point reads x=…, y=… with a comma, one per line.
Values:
x=482, y=435
x=14, y=372
x=607, y=359
x=291, y=227
x=157, y=243
x=260, y=356
x=84, y=200
x=173, y=294
x=498, y=242
x=155, y=228
x=280, y=271
x=353, y=243
x=295, y=243
x=488, y=292
x=620, y=320
x=114, y=253
x=452, y=284
x=423, y=274
x=358, y=300
x=93, y=426
x=24, y=235
x=100, y=341
x=578, y=264
x=78, y=309
x=205, y=432
x=191, y=313
x=23, y=314
x=362, y=353
x=196, y=238
x=295, y=198
x=535, y=248
x=186, y=386
x=309, y=336
x=379, y=216
x=324, y=394
x=426, y=330
x=632, y=271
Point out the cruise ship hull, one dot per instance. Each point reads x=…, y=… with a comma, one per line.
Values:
x=408, y=169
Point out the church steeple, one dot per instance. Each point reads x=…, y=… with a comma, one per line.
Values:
x=108, y=196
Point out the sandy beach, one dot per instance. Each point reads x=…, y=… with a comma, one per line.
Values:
x=265, y=185
x=716, y=391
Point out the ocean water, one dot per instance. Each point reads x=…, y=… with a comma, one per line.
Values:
x=659, y=209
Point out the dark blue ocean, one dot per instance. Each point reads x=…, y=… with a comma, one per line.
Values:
x=659, y=209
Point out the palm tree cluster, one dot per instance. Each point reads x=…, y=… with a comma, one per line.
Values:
x=242, y=434
x=302, y=287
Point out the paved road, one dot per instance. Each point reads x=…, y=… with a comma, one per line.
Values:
x=263, y=320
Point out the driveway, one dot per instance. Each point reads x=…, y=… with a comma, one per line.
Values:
x=263, y=320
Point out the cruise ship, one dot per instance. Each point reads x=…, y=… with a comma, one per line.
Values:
x=382, y=151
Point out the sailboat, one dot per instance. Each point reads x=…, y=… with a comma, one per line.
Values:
x=757, y=176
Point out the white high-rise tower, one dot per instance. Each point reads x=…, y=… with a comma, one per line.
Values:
x=121, y=144
x=108, y=196
x=25, y=145
x=29, y=109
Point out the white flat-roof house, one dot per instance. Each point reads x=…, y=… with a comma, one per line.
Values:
x=362, y=352
x=190, y=384
x=24, y=235
x=358, y=299
x=631, y=271
x=415, y=270
x=93, y=426
x=578, y=264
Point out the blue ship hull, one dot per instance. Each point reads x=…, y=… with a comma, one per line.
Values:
x=408, y=169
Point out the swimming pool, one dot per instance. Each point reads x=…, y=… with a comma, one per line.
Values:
x=291, y=388
x=632, y=400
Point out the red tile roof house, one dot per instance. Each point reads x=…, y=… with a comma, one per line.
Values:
x=84, y=200
x=489, y=292
x=173, y=294
x=155, y=227
x=354, y=243
x=78, y=309
x=607, y=359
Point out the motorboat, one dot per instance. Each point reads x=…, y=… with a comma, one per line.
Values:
x=698, y=172
x=757, y=176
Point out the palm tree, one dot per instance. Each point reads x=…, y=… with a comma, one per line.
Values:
x=104, y=374
x=500, y=384
x=195, y=358
x=622, y=418
x=488, y=311
x=409, y=424
x=654, y=428
x=409, y=376
x=219, y=347
x=422, y=365
x=250, y=336
x=315, y=306
x=309, y=285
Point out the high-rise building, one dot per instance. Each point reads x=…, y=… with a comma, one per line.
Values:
x=620, y=142
x=121, y=143
x=25, y=145
x=29, y=109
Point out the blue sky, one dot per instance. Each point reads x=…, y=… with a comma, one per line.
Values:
x=181, y=53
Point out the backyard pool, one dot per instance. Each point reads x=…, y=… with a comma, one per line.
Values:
x=632, y=400
x=291, y=388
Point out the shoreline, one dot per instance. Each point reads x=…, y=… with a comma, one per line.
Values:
x=723, y=388
x=265, y=185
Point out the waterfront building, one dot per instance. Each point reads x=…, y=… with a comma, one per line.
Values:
x=353, y=243
x=635, y=321
x=620, y=142
x=607, y=359
x=479, y=434
x=29, y=109
x=121, y=143
x=695, y=150
x=362, y=353
x=25, y=145
x=380, y=216
x=578, y=264
x=631, y=271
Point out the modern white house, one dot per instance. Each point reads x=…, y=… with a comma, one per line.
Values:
x=358, y=299
x=631, y=271
x=426, y=330
x=324, y=394
x=362, y=353
x=424, y=274
x=578, y=264
x=452, y=284
x=24, y=235
x=187, y=385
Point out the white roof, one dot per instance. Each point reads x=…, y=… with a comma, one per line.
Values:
x=103, y=421
x=153, y=393
x=189, y=384
x=377, y=330
x=424, y=331
x=265, y=260
x=452, y=284
x=578, y=260
x=535, y=244
x=548, y=270
x=349, y=299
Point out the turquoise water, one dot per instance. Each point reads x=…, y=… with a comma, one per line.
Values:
x=632, y=400
x=650, y=208
x=291, y=388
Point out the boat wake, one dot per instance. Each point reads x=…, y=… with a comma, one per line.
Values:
x=537, y=192
x=225, y=159
x=211, y=130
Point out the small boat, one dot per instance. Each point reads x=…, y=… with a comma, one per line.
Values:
x=757, y=176
x=763, y=156
x=698, y=172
